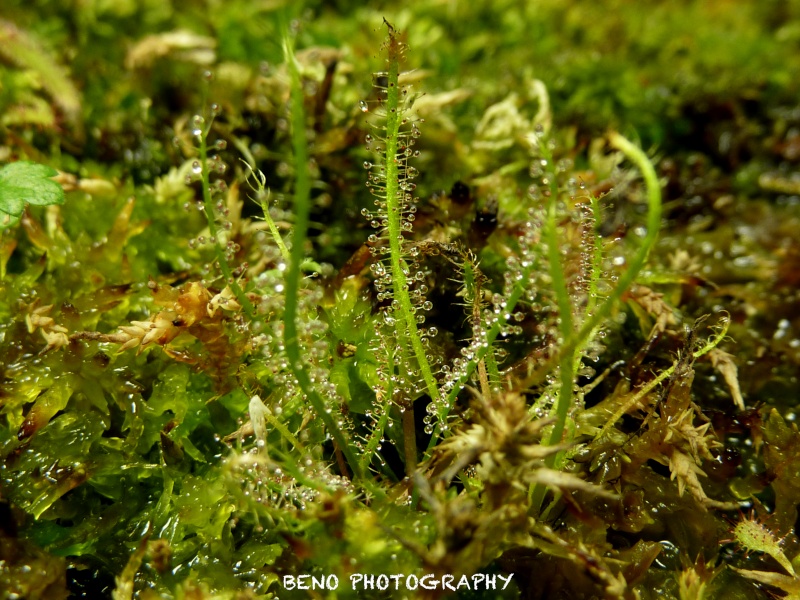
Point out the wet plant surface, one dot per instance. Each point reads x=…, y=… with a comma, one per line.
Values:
x=460, y=291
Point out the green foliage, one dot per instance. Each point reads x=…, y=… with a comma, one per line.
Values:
x=23, y=183
x=216, y=374
x=42, y=70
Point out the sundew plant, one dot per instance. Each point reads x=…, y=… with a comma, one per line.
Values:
x=484, y=309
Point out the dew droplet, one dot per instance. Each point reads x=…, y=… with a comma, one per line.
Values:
x=197, y=125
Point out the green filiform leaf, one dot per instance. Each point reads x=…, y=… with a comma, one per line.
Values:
x=26, y=182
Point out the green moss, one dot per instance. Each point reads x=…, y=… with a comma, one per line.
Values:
x=504, y=369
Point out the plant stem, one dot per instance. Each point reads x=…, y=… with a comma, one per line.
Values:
x=491, y=336
x=597, y=257
x=473, y=284
x=371, y=447
x=569, y=354
x=302, y=206
x=568, y=359
x=273, y=229
x=639, y=158
x=567, y=363
x=409, y=440
x=208, y=209
x=394, y=193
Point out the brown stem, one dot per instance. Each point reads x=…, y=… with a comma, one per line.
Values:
x=409, y=439
x=341, y=461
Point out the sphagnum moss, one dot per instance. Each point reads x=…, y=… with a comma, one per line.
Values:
x=115, y=455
